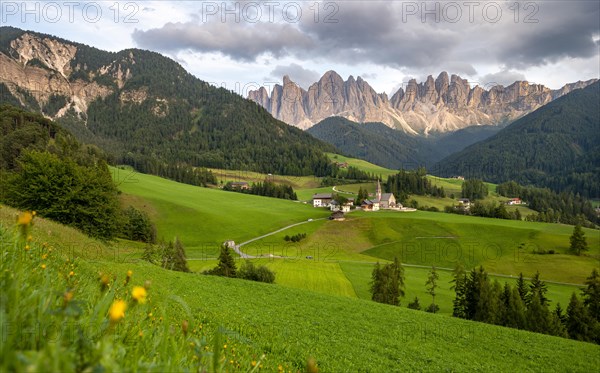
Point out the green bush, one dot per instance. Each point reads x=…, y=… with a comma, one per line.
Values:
x=248, y=271
x=137, y=226
x=61, y=190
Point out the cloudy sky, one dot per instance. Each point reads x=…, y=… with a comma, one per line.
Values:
x=243, y=44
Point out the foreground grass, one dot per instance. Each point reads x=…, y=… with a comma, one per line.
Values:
x=286, y=325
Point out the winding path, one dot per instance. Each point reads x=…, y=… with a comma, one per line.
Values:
x=237, y=248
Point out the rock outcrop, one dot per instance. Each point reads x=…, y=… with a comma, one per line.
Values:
x=437, y=105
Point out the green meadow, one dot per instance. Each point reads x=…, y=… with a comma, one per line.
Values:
x=337, y=258
x=233, y=325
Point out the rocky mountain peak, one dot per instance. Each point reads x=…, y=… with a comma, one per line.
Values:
x=446, y=103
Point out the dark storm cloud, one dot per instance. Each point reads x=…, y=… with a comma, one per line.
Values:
x=240, y=41
x=564, y=29
x=393, y=34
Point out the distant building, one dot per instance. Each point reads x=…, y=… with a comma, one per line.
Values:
x=465, y=202
x=370, y=205
x=322, y=199
x=514, y=201
x=240, y=185
x=342, y=164
x=335, y=206
x=229, y=243
x=458, y=177
x=338, y=216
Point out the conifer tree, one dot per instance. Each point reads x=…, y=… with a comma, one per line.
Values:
x=538, y=287
x=591, y=295
x=431, y=285
x=515, y=312
x=522, y=288
x=578, y=241
x=537, y=315
x=578, y=320
x=459, y=282
x=226, y=266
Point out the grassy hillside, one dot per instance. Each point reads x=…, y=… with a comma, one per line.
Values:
x=204, y=218
x=286, y=325
x=342, y=253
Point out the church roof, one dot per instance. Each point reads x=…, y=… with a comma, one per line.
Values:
x=386, y=196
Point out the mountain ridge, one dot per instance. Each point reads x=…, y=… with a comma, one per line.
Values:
x=444, y=104
x=556, y=146
x=147, y=111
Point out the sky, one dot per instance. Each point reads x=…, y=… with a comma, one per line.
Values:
x=241, y=45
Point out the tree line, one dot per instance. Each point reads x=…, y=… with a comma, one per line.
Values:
x=266, y=189
x=405, y=183
x=552, y=207
x=523, y=306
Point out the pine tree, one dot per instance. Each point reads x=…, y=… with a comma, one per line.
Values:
x=226, y=266
x=431, y=285
x=387, y=283
x=522, y=288
x=560, y=314
x=475, y=281
x=578, y=241
x=179, y=258
x=537, y=315
x=515, y=312
x=459, y=286
x=538, y=287
x=591, y=295
x=578, y=320
x=415, y=305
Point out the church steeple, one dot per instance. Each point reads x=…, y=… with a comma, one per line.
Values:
x=378, y=193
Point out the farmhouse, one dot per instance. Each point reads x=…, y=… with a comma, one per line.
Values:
x=465, y=202
x=322, y=199
x=370, y=205
x=514, y=201
x=336, y=206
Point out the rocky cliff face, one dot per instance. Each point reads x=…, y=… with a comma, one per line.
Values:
x=436, y=105
x=40, y=67
x=36, y=69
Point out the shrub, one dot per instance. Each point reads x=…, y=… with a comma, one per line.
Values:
x=167, y=255
x=415, y=305
x=137, y=226
x=248, y=271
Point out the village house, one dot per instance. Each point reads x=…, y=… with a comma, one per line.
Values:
x=322, y=199
x=336, y=206
x=465, y=202
x=514, y=201
x=370, y=205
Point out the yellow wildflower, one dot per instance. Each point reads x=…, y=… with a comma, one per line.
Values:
x=29, y=238
x=139, y=294
x=44, y=256
x=67, y=297
x=71, y=274
x=27, y=247
x=117, y=310
x=43, y=266
x=25, y=218
x=33, y=213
